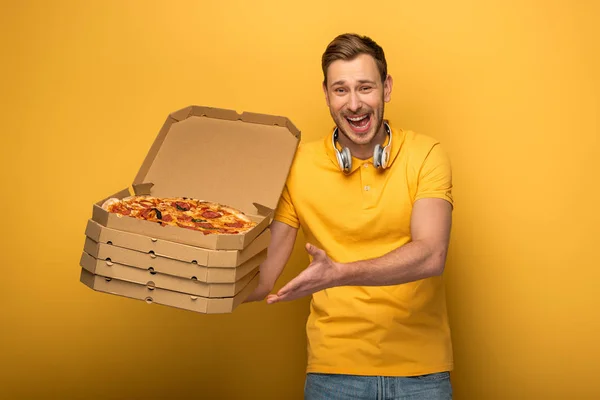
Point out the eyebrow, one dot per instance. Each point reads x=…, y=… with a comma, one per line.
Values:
x=361, y=81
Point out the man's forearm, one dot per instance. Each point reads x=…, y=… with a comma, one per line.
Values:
x=280, y=248
x=411, y=262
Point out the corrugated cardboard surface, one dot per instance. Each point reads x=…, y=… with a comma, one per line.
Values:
x=169, y=266
x=167, y=297
x=178, y=251
x=153, y=279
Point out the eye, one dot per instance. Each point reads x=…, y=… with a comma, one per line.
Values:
x=339, y=90
x=365, y=88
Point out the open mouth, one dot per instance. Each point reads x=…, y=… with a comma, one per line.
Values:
x=360, y=123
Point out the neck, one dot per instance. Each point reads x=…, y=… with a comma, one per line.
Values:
x=363, y=151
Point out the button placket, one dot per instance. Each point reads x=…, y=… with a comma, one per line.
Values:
x=366, y=174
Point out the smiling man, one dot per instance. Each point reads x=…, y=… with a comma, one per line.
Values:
x=375, y=204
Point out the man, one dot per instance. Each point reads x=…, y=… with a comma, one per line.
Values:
x=375, y=205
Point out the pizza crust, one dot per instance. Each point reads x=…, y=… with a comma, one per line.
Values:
x=110, y=202
x=237, y=213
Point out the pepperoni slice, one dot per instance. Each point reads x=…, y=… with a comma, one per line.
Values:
x=184, y=217
x=167, y=218
x=182, y=206
x=210, y=214
x=121, y=210
x=237, y=224
x=146, y=213
x=185, y=226
x=205, y=225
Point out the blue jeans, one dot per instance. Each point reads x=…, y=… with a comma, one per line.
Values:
x=342, y=387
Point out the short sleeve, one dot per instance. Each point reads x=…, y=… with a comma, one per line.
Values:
x=435, y=176
x=285, y=211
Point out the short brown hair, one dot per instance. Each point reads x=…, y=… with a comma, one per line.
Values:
x=349, y=46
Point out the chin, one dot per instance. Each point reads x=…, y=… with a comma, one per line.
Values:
x=362, y=139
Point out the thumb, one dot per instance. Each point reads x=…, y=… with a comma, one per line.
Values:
x=314, y=251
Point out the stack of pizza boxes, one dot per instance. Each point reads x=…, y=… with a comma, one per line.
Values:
x=239, y=160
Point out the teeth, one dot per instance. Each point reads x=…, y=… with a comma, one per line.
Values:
x=357, y=118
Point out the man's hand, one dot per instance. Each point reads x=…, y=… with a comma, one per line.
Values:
x=259, y=293
x=322, y=273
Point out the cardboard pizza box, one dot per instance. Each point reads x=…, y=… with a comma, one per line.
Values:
x=178, y=251
x=159, y=280
x=239, y=160
x=153, y=263
x=167, y=297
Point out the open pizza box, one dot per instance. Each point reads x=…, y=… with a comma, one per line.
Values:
x=218, y=155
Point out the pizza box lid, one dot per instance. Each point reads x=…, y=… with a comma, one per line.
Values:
x=219, y=155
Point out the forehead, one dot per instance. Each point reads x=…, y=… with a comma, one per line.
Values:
x=363, y=67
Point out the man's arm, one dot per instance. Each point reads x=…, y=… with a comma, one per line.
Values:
x=280, y=247
x=424, y=256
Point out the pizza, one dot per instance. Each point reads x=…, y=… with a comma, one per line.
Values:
x=204, y=216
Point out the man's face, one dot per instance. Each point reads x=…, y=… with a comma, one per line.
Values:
x=356, y=96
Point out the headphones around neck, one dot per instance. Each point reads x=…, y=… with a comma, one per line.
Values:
x=381, y=156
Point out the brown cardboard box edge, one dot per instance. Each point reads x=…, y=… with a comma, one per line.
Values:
x=139, y=276
x=233, y=115
x=166, y=297
x=168, y=266
x=174, y=250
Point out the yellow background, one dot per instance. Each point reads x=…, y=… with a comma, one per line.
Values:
x=510, y=88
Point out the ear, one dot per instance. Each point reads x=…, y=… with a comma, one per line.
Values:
x=326, y=94
x=387, y=88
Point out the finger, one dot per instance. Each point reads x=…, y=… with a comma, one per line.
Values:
x=289, y=296
x=290, y=286
x=295, y=284
x=315, y=251
x=273, y=298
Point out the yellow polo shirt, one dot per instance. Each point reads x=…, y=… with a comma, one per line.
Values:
x=399, y=330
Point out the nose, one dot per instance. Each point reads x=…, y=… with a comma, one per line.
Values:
x=354, y=102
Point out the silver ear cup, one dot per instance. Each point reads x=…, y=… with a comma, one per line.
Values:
x=347, y=159
x=385, y=157
x=377, y=156
x=339, y=158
